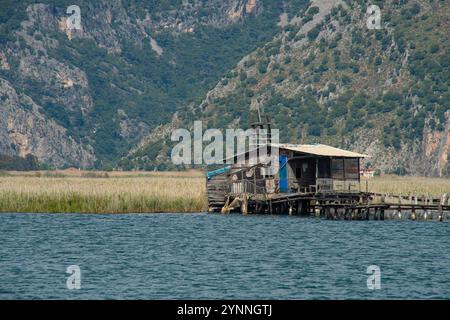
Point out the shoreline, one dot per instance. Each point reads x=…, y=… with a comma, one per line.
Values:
x=105, y=213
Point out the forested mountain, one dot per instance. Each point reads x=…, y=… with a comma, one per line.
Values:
x=325, y=77
x=108, y=95
x=84, y=97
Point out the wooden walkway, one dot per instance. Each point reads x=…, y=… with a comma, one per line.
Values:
x=343, y=206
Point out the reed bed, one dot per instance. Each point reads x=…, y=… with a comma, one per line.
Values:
x=136, y=192
x=407, y=185
x=156, y=193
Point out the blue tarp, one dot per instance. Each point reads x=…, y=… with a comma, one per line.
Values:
x=283, y=174
x=217, y=172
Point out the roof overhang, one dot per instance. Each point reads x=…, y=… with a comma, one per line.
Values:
x=321, y=150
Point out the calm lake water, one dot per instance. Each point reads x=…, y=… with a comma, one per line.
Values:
x=200, y=256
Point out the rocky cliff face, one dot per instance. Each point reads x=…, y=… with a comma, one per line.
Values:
x=84, y=100
x=25, y=131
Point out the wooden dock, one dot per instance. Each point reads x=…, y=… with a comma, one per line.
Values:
x=342, y=206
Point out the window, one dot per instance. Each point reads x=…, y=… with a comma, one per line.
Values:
x=337, y=168
x=298, y=172
x=351, y=168
x=347, y=168
x=305, y=167
x=324, y=168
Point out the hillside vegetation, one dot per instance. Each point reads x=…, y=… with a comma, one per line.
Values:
x=327, y=78
x=108, y=96
x=130, y=68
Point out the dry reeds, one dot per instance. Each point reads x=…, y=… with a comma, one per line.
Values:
x=97, y=194
x=135, y=192
x=407, y=185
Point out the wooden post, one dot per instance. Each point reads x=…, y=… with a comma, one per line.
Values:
x=225, y=206
x=254, y=181
x=317, y=172
x=244, y=204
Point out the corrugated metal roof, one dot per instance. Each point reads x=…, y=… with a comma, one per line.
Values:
x=313, y=149
x=321, y=150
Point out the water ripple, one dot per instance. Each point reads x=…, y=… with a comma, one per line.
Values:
x=199, y=256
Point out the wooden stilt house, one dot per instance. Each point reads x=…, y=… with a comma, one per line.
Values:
x=299, y=169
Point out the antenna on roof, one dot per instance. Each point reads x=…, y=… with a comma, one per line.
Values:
x=262, y=135
x=269, y=129
x=259, y=114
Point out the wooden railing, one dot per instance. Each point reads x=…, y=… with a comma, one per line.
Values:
x=336, y=185
x=247, y=186
x=260, y=186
